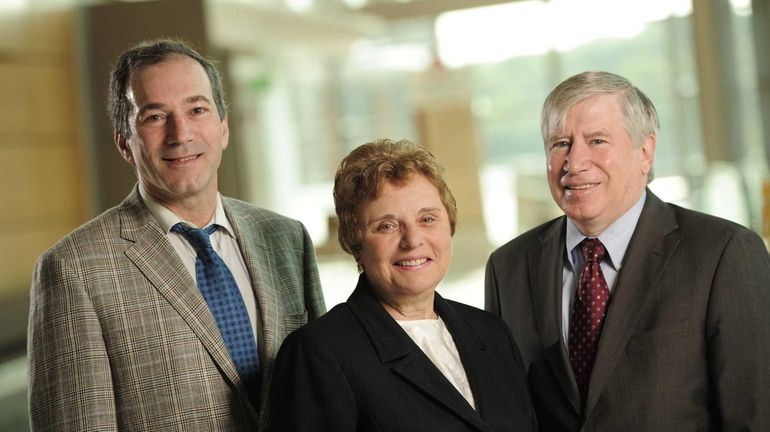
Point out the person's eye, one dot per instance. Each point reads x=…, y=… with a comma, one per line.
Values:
x=386, y=227
x=200, y=110
x=152, y=119
x=598, y=141
x=428, y=219
x=560, y=145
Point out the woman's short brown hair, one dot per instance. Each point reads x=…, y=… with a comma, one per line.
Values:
x=362, y=172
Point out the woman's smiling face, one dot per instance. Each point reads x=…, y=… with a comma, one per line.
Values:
x=406, y=239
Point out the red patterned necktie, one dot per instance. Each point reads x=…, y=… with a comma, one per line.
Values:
x=588, y=311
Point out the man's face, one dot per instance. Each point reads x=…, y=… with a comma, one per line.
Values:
x=177, y=137
x=595, y=172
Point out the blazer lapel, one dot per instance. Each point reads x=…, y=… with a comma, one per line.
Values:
x=259, y=263
x=472, y=351
x=648, y=252
x=154, y=256
x=406, y=360
x=546, y=287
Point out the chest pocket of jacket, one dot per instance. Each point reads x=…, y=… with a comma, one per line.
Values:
x=663, y=340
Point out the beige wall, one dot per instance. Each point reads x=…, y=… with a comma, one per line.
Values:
x=42, y=174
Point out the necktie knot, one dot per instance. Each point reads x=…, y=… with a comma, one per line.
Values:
x=593, y=249
x=197, y=237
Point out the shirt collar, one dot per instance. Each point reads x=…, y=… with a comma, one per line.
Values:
x=615, y=238
x=168, y=219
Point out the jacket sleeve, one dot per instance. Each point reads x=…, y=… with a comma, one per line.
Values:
x=310, y=391
x=738, y=334
x=314, y=297
x=70, y=388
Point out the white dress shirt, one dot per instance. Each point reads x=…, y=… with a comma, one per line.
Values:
x=433, y=338
x=223, y=241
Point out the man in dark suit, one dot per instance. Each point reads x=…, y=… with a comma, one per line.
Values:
x=136, y=324
x=631, y=314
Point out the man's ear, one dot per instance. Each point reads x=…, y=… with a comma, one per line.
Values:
x=648, y=153
x=122, y=143
x=225, y=133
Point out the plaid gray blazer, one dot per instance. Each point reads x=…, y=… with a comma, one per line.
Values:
x=120, y=338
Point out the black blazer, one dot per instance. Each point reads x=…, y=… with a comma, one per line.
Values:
x=355, y=369
x=686, y=341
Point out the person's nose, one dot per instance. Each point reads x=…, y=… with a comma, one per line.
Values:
x=411, y=237
x=179, y=131
x=578, y=158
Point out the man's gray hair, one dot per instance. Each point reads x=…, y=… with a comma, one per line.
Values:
x=641, y=118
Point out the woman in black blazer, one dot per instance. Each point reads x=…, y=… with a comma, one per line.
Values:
x=397, y=356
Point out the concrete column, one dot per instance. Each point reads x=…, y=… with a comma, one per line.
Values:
x=761, y=27
x=448, y=131
x=720, y=110
x=446, y=125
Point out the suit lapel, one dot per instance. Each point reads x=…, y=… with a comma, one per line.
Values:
x=259, y=264
x=546, y=287
x=471, y=350
x=648, y=252
x=154, y=256
x=407, y=361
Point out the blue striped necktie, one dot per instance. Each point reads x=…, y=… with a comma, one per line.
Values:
x=221, y=293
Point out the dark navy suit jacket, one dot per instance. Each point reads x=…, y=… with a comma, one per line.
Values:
x=355, y=369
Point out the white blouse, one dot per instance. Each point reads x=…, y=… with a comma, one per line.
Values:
x=434, y=340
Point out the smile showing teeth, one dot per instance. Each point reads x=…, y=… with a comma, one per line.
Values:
x=183, y=159
x=412, y=263
x=583, y=186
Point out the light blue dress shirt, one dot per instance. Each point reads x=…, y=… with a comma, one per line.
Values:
x=615, y=239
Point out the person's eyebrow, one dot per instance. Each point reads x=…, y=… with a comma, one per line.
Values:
x=159, y=106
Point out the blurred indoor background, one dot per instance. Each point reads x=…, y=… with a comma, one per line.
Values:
x=309, y=80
